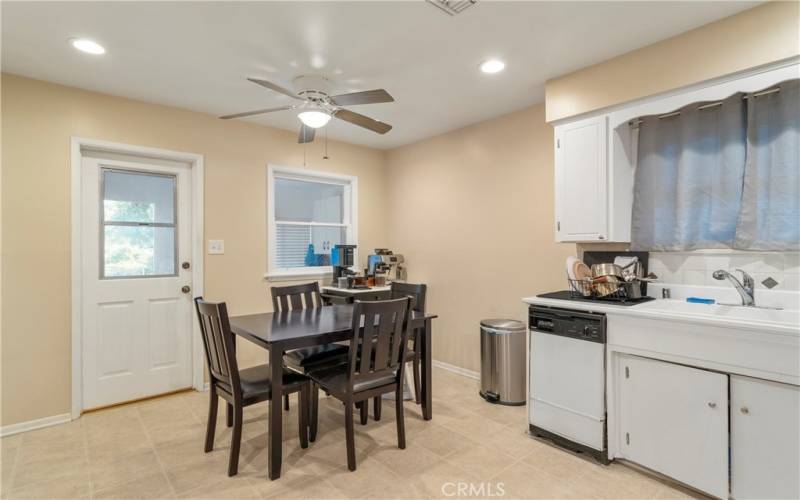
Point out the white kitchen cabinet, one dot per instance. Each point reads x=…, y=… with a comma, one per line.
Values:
x=581, y=160
x=765, y=439
x=674, y=419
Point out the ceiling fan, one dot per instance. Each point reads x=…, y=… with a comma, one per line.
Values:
x=317, y=106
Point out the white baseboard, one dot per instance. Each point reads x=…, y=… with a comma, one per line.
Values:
x=8, y=430
x=457, y=369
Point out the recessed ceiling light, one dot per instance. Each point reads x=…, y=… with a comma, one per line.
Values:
x=88, y=46
x=492, y=66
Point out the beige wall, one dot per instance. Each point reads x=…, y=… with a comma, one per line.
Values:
x=754, y=37
x=37, y=122
x=472, y=211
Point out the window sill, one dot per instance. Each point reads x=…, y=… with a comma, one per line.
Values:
x=297, y=275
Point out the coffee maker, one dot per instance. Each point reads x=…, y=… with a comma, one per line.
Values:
x=387, y=262
x=342, y=259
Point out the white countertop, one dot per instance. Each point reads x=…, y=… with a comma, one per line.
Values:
x=786, y=321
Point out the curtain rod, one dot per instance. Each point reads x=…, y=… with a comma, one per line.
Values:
x=710, y=105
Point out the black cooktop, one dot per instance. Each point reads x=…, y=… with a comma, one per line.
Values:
x=567, y=295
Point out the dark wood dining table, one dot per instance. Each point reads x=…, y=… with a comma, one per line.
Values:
x=285, y=330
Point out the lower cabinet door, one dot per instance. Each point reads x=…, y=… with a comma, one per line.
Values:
x=674, y=420
x=765, y=439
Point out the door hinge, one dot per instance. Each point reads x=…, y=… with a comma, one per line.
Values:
x=558, y=143
x=558, y=225
x=627, y=438
x=627, y=372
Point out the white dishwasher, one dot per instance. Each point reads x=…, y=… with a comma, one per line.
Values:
x=567, y=386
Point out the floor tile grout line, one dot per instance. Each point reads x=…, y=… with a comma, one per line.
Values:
x=88, y=459
x=16, y=461
x=155, y=452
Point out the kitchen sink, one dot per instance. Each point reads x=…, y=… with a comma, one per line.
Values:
x=757, y=315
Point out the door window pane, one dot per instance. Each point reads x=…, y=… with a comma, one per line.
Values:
x=306, y=246
x=138, y=225
x=305, y=201
x=138, y=197
x=139, y=251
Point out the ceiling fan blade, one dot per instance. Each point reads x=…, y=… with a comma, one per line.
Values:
x=276, y=88
x=366, y=97
x=306, y=134
x=362, y=121
x=257, y=112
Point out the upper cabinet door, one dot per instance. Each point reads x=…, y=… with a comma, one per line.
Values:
x=765, y=439
x=581, y=189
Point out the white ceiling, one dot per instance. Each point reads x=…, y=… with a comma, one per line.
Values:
x=196, y=55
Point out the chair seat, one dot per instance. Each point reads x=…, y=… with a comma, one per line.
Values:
x=257, y=382
x=305, y=359
x=335, y=380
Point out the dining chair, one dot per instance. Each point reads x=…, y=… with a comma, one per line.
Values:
x=239, y=388
x=305, y=359
x=417, y=294
x=381, y=329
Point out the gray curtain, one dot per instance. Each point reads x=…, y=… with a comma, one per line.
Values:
x=770, y=214
x=688, y=178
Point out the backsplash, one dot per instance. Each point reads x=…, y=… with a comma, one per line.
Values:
x=695, y=268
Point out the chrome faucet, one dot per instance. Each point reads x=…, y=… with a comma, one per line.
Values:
x=746, y=287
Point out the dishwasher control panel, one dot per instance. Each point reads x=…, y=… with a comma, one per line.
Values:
x=568, y=323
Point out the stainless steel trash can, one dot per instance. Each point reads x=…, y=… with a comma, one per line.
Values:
x=503, y=361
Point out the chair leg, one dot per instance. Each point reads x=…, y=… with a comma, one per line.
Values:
x=417, y=386
x=350, y=435
x=363, y=407
x=302, y=416
x=229, y=415
x=313, y=412
x=286, y=402
x=376, y=402
x=401, y=426
x=213, y=402
x=236, y=441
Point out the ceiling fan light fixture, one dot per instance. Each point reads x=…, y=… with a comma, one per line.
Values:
x=314, y=118
x=491, y=66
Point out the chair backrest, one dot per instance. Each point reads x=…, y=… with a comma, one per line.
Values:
x=381, y=329
x=219, y=343
x=416, y=292
x=285, y=298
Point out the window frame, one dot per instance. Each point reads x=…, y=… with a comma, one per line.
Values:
x=105, y=223
x=350, y=218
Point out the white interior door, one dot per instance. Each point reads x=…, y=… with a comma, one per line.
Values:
x=136, y=250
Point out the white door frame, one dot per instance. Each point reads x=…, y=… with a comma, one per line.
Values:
x=195, y=162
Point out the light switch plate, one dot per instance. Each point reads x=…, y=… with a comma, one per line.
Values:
x=216, y=247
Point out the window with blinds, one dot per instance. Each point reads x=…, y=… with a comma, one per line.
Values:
x=308, y=213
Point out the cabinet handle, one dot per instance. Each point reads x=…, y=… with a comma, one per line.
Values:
x=745, y=410
x=712, y=405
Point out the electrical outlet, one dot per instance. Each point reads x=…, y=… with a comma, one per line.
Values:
x=216, y=247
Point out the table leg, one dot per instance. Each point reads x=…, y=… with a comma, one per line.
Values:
x=427, y=411
x=275, y=438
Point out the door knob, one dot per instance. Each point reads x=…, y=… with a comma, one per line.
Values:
x=186, y=265
x=745, y=410
x=712, y=405
x=186, y=289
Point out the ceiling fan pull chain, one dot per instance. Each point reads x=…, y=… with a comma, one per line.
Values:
x=325, y=156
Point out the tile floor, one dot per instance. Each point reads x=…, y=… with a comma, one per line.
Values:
x=154, y=449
